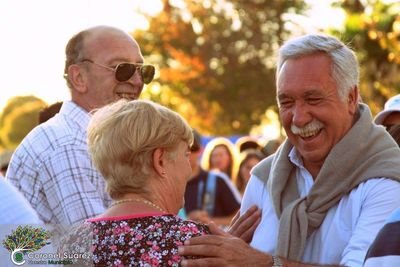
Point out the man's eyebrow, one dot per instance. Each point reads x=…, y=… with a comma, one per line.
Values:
x=312, y=92
x=282, y=95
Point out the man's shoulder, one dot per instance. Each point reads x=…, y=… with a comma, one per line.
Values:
x=394, y=217
x=52, y=133
x=46, y=141
x=262, y=169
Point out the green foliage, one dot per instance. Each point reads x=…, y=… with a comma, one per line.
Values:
x=373, y=30
x=18, y=118
x=27, y=238
x=216, y=60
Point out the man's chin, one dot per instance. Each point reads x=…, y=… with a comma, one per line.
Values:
x=128, y=97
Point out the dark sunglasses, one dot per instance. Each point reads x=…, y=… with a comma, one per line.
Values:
x=124, y=71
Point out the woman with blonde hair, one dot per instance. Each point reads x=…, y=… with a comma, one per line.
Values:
x=221, y=155
x=142, y=149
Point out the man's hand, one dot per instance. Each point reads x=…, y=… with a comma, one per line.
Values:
x=221, y=249
x=245, y=225
x=199, y=216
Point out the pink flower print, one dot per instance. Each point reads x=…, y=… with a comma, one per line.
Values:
x=117, y=231
x=157, y=225
x=145, y=257
x=132, y=250
x=155, y=247
x=178, y=243
x=175, y=258
x=139, y=237
x=149, y=243
x=154, y=262
x=184, y=229
x=126, y=229
x=113, y=248
x=194, y=230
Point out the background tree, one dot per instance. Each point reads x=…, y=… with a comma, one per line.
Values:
x=373, y=30
x=19, y=117
x=216, y=59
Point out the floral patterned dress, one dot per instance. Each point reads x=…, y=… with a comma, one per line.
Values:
x=139, y=240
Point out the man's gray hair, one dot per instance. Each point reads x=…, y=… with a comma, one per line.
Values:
x=345, y=69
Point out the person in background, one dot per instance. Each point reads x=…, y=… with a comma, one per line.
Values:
x=220, y=155
x=209, y=196
x=390, y=115
x=14, y=208
x=250, y=158
x=271, y=147
x=5, y=157
x=49, y=112
x=52, y=167
x=394, y=131
x=384, y=251
x=145, y=163
x=330, y=186
x=247, y=142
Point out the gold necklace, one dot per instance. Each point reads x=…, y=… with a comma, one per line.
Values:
x=148, y=203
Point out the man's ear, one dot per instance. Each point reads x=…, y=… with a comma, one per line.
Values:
x=353, y=100
x=77, y=78
x=159, y=160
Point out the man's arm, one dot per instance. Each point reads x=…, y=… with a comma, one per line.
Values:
x=241, y=226
x=223, y=249
x=385, y=250
x=379, y=198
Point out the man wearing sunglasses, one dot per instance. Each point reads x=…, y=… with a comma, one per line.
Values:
x=52, y=167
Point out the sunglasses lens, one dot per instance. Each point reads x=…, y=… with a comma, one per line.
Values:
x=124, y=72
x=147, y=72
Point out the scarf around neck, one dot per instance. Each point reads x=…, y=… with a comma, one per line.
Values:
x=367, y=151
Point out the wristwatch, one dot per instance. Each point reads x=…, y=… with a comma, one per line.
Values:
x=276, y=262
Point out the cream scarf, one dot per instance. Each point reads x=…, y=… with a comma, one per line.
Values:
x=365, y=152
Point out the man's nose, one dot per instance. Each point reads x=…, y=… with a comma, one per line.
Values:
x=136, y=78
x=300, y=114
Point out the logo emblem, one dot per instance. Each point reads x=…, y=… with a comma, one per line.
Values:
x=25, y=239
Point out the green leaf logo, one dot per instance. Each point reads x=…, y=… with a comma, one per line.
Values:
x=24, y=239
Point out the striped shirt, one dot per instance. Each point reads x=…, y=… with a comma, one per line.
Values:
x=52, y=168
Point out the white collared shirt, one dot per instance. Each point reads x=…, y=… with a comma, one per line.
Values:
x=348, y=228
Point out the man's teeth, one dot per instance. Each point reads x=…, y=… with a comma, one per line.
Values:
x=126, y=96
x=309, y=133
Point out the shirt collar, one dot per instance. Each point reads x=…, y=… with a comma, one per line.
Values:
x=76, y=113
x=295, y=158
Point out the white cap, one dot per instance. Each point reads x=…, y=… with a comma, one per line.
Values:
x=392, y=105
